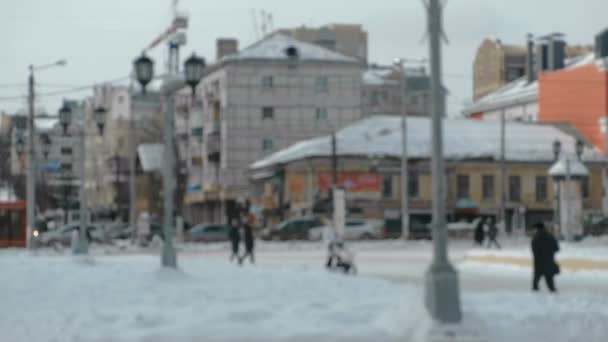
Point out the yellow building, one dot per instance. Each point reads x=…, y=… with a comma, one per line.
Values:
x=294, y=180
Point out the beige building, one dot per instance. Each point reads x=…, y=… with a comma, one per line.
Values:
x=497, y=64
x=107, y=156
x=347, y=39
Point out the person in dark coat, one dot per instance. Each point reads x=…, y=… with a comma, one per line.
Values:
x=480, y=234
x=544, y=247
x=492, y=233
x=249, y=242
x=235, y=238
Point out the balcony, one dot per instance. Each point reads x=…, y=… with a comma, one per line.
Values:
x=215, y=127
x=213, y=148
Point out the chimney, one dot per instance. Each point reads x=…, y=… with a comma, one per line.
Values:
x=225, y=47
x=530, y=70
x=601, y=44
x=552, y=52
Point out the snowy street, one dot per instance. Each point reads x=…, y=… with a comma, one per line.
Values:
x=124, y=295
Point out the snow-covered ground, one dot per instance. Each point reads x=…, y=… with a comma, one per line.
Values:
x=124, y=295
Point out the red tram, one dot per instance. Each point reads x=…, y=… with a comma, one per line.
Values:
x=12, y=224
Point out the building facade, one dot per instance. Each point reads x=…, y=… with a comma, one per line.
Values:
x=295, y=179
x=107, y=155
x=382, y=91
x=265, y=98
x=497, y=64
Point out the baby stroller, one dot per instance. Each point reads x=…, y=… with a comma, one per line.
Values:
x=340, y=258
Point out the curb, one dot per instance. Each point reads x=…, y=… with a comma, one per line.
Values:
x=570, y=264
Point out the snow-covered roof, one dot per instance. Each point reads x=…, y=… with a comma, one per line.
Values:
x=378, y=75
x=274, y=47
x=380, y=136
x=519, y=91
x=151, y=156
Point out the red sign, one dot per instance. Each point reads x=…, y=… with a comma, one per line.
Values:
x=353, y=182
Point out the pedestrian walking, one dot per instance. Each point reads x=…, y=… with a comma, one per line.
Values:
x=493, y=233
x=235, y=238
x=249, y=239
x=480, y=234
x=544, y=247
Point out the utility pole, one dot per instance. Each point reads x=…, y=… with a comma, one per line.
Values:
x=334, y=161
x=405, y=215
x=169, y=257
x=132, y=166
x=502, y=214
x=84, y=244
x=31, y=164
x=442, y=292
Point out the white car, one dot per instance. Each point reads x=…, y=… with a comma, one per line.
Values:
x=353, y=230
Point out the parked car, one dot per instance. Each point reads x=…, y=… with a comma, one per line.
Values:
x=597, y=226
x=292, y=229
x=63, y=235
x=118, y=231
x=353, y=230
x=208, y=232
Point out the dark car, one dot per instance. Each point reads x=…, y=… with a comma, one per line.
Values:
x=208, y=232
x=293, y=229
x=597, y=227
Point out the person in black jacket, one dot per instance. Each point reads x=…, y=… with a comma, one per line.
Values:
x=544, y=247
x=235, y=238
x=492, y=233
x=479, y=232
x=249, y=240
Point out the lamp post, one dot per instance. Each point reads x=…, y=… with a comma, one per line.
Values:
x=30, y=156
x=564, y=170
x=144, y=70
x=65, y=118
x=442, y=292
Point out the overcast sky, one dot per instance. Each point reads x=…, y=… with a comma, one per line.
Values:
x=100, y=38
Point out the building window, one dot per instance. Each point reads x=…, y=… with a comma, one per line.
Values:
x=66, y=151
x=413, y=184
x=541, y=188
x=267, y=82
x=514, y=188
x=585, y=187
x=321, y=114
x=487, y=187
x=267, y=144
x=387, y=186
x=374, y=98
x=462, y=186
x=66, y=167
x=121, y=99
x=322, y=84
x=267, y=113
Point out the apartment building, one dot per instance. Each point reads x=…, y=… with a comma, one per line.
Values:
x=266, y=97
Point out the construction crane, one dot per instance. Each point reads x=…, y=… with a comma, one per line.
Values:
x=175, y=35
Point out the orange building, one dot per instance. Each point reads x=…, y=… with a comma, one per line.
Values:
x=577, y=95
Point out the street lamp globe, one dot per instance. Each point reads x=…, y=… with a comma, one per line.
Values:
x=144, y=70
x=557, y=146
x=580, y=146
x=100, y=118
x=19, y=145
x=193, y=69
x=20, y=122
x=65, y=117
